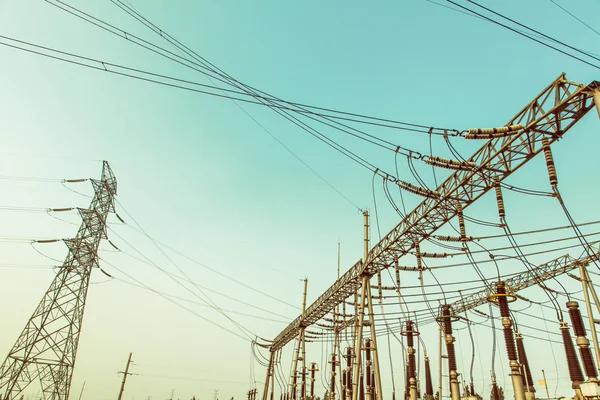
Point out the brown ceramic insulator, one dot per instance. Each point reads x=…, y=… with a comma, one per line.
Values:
x=549, y=161
x=499, y=199
x=509, y=338
x=410, y=344
x=448, y=331
x=572, y=361
x=428, y=383
x=461, y=221
x=409, y=334
x=446, y=319
x=361, y=389
x=372, y=384
x=349, y=357
x=495, y=392
x=344, y=379
x=588, y=362
x=502, y=302
x=406, y=385
x=523, y=361
x=578, y=326
x=332, y=385
x=576, y=320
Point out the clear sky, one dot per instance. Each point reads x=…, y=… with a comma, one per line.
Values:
x=202, y=175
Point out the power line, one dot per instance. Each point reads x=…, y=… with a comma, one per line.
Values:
x=528, y=36
x=574, y=16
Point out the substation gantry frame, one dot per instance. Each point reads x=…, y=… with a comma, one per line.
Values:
x=547, y=117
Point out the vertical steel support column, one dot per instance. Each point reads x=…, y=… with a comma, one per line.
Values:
x=440, y=356
x=269, y=375
x=366, y=292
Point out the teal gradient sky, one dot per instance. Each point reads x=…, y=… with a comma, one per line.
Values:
x=196, y=173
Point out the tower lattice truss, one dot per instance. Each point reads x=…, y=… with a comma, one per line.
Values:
x=46, y=349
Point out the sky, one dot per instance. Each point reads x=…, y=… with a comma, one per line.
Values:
x=248, y=203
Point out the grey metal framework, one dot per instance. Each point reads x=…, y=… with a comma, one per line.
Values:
x=534, y=276
x=46, y=349
x=550, y=114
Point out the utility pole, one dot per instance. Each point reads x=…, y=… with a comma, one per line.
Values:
x=83, y=387
x=45, y=351
x=300, y=344
x=365, y=301
x=125, y=376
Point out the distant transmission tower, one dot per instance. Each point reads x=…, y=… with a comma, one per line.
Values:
x=46, y=349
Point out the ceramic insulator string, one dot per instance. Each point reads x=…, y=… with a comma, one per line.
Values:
x=449, y=164
x=499, y=199
x=488, y=133
x=549, y=162
x=418, y=190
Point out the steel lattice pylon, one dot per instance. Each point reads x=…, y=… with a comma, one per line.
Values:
x=46, y=349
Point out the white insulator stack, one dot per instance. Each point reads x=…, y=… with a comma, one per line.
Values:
x=450, y=164
x=488, y=133
x=409, y=187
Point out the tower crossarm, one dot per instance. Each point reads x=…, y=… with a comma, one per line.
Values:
x=525, y=279
x=550, y=114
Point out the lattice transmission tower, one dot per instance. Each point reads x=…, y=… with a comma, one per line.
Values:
x=46, y=349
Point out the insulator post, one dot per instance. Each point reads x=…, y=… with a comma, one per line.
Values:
x=499, y=199
x=509, y=340
x=433, y=255
x=575, y=372
x=449, y=164
x=495, y=391
x=428, y=382
x=525, y=370
x=397, y=268
x=582, y=341
x=368, y=374
x=461, y=221
x=446, y=321
x=488, y=133
x=418, y=255
x=549, y=161
x=418, y=190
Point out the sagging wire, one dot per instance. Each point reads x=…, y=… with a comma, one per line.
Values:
x=62, y=182
x=399, y=189
x=375, y=205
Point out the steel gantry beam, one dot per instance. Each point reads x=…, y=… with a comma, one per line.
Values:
x=550, y=114
x=531, y=277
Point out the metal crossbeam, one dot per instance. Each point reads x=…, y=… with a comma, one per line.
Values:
x=531, y=277
x=550, y=114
